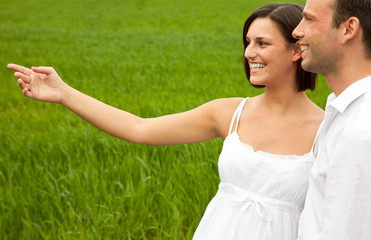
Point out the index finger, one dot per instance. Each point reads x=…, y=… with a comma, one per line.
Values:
x=19, y=68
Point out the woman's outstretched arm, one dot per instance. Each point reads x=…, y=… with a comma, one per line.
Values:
x=199, y=124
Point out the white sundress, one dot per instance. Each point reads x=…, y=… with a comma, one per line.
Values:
x=260, y=196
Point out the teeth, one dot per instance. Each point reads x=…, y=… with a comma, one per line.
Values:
x=304, y=48
x=257, y=66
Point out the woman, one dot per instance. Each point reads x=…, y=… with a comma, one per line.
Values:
x=266, y=157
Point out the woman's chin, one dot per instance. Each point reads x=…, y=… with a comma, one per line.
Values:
x=255, y=81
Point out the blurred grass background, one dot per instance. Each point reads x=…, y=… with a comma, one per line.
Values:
x=61, y=178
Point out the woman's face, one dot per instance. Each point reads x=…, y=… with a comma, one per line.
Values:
x=272, y=61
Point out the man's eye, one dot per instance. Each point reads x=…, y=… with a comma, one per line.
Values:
x=306, y=18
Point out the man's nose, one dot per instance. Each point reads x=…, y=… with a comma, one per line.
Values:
x=298, y=32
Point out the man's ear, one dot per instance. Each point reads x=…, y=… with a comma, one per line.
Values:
x=351, y=29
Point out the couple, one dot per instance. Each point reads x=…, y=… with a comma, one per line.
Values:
x=274, y=158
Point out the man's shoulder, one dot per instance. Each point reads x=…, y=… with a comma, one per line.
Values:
x=359, y=113
x=364, y=105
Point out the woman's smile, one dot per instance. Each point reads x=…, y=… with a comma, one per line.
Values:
x=256, y=67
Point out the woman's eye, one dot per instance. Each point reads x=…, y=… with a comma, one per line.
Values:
x=263, y=43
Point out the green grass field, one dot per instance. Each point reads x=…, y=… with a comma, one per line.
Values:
x=61, y=178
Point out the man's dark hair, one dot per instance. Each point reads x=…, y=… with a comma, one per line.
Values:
x=361, y=9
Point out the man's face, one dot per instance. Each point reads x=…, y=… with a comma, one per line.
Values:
x=318, y=37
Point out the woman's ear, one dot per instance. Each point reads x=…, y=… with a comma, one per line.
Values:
x=296, y=53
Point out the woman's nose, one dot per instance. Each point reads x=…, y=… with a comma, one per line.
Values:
x=249, y=52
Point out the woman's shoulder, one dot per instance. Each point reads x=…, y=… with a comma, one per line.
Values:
x=316, y=113
x=227, y=101
x=225, y=105
x=311, y=119
x=222, y=110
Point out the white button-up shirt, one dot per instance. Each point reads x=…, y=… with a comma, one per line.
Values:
x=338, y=202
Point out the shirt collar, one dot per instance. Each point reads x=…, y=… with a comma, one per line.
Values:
x=350, y=94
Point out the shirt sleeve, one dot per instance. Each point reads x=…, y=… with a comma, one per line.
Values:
x=347, y=213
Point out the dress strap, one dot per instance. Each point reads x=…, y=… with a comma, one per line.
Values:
x=237, y=114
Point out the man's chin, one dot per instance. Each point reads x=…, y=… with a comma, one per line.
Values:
x=305, y=64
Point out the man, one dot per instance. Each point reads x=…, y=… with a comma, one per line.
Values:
x=335, y=37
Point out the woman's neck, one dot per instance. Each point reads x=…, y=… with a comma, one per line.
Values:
x=284, y=101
